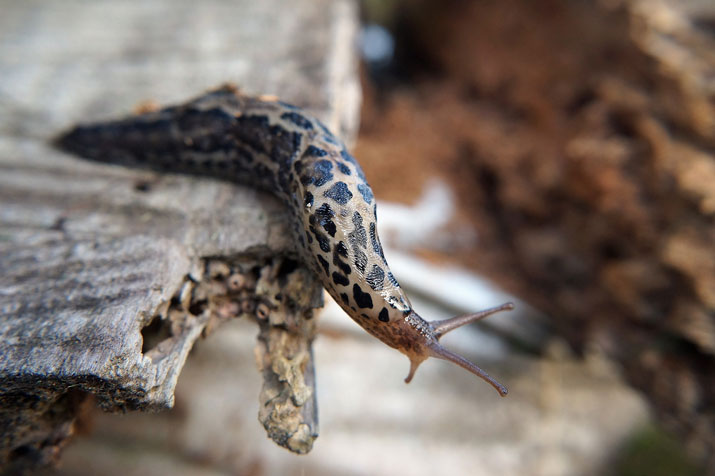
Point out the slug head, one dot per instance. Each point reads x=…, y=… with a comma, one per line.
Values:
x=430, y=346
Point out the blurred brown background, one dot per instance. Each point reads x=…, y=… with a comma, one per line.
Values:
x=580, y=139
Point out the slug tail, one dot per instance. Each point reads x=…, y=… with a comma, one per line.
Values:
x=441, y=353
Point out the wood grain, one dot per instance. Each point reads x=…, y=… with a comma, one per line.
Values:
x=91, y=254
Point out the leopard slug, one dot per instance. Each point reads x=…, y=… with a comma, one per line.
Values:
x=279, y=148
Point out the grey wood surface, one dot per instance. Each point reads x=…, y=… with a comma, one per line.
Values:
x=90, y=254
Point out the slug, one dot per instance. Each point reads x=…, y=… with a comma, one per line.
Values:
x=279, y=148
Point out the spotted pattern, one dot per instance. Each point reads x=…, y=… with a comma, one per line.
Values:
x=323, y=215
x=320, y=175
x=362, y=299
x=313, y=151
x=308, y=200
x=324, y=264
x=360, y=260
x=298, y=120
x=277, y=147
x=337, y=261
x=339, y=192
x=373, y=239
x=357, y=237
x=376, y=278
x=366, y=193
x=340, y=279
x=345, y=170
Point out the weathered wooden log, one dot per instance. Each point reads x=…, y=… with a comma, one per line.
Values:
x=107, y=275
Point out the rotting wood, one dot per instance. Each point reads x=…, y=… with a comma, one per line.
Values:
x=102, y=269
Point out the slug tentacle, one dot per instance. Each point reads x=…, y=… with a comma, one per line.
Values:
x=445, y=354
x=413, y=368
x=446, y=325
x=277, y=147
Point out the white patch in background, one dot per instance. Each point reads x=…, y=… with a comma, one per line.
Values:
x=422, y=225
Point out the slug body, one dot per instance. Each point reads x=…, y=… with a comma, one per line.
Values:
x=278, y=148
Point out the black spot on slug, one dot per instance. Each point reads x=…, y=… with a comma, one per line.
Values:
x=358, y=237
x=363, y=300
x=298, y=120
x=366, y=192
x=308, y=199
x=346, y=170
x=376, y=278
x=341, y=249
x=313, y=151
x=392, y=280
x=340, y=279
x=322, y=239
x=330, y=227
x=255, y=131
x=322, y=172
x=344, y=267
x=324, y=214
x=339, y=192
x=360, y=260
x=373, y=239
x=384, y=316
x=347, y=157
x=324, y=263
x=324, y=243
x=345, y=298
